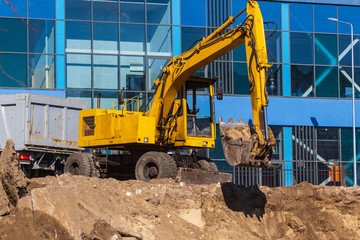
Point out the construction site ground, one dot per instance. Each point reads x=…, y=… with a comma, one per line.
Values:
x=77, y=207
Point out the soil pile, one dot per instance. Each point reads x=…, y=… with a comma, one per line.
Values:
x=76, y=207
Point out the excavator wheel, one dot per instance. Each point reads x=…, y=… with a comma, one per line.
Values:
x=207, y=164
x=213, y=166
x=78, y=164
x=155, y=165
x=204, y=165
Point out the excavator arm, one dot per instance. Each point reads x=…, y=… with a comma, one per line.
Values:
x=250, y=145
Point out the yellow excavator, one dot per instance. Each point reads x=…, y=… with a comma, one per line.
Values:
x=160, y=140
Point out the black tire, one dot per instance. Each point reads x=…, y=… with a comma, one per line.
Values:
x=204, y=165
x=213, y=166
x=155, y=165
x=78, y=164
x=94, y=169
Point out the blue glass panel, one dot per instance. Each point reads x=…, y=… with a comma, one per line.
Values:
x=158, y=1
x=12, y=35
x=159, y=40
x=105, y=11
x=106, y=100
x=273, y=45
x=158, y=14
x=241, y=80
x=327, y=82
x=271, y=12
x=78, y=37
x=301, y=17
x=80, y=95
x=60, y=72
x=345, y=50
x=274, y=81
x=193, y=12
x=105, y=38
x=132, y=73
x=13, y=8
x=60, y=37
x=321, y=15
x=301, y=47
x=42, y=71
x=42, y=41
x=78, y=9
x=105, y=72
x=156, y=67
x=346, y=82
x=326, y=49
x=302, y=81
x=240, y=53
x=132, y=12
x=42, y=9
x=78, y=71
x=60, y=9
x=190, y=37
x=349, y=14
x=237, y=6
x=13, y=70
x=132, y=39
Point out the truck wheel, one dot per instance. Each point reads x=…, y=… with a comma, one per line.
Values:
x=78, y=164
x=155, y=165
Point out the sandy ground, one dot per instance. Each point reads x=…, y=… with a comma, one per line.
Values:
x=76, y=207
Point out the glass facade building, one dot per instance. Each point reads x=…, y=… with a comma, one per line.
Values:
x=83, y=48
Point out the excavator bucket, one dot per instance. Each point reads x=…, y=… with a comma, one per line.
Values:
x=241, y=146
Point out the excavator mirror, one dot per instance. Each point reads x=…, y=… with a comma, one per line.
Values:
x=121, y=98
x=219, y=93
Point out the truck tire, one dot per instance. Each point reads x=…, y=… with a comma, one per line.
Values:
x=78, y=164
x=207, y=164
x=155, y=165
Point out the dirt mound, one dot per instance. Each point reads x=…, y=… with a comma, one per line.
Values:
x=12, y=180
x=90, y=208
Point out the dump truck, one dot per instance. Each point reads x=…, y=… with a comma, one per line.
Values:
x=44, y=129
x=159, y=140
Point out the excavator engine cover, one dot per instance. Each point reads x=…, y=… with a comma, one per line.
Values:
x=240, y=145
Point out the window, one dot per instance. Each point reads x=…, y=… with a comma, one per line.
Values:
x=78, y=37
x=241, y=80
x=346, y=82
x=132, y=73
x=328, y=144
x=12, y=35
x=42, y=71
x=193, y=13
x=132, y=12
x=347, y=14
x=345, y=50
x=132, y=39
x=321, y=15
x=13, y=73
x=326, y=81
x=158, y=13
x=106, y=99
x=273, y=45
x=105, y=38
x=326, y=49
x=18, y=5
x=301, y=48
x=271, y=12
x=189, y=35
x=105, y=71
x=274, y=81
x=41, y=9
x=159, y=40
x=78, y=70
x=155, y=70
x=42, y=41
x=78, y=9
x=80, y=95
x=105, y=10
x=301, y=17
x=302, y=81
